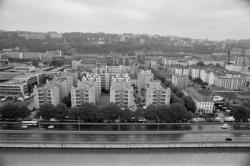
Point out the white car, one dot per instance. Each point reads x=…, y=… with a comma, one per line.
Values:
x=229, y=119
x=24, y=126
x=3, y=99
x=217, y=119
x=225, y=126
x=51, y=126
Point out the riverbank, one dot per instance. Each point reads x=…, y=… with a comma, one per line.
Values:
x=61, y=145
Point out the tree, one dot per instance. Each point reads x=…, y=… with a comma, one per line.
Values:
x=150, y=112
x=175, y=99
x=200, y=63
x=67, y=100
x=47, y=111
x=174, y=88
x=22, y=111
x=178, y=112
x=241, y=113
x=74, y=113
x=217, y=65
x=125, y=115
x=163, y=112
x=111, y=112
x=88, y=112
x=189, y=104
x=61, y=111
x=9, y=111
x=138, y=113
x=179, y=94
x=15, y=110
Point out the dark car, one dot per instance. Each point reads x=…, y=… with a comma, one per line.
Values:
x=228, y=139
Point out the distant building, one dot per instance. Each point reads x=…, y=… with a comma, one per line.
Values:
x=195, y=73
x=30, y=55
x=156, y=94
x=181, y=81
x=230, y=81
x=33, y=35
x=55, y=35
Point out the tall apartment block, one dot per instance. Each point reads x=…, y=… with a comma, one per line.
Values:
x=83, y=93
x=49, y=93
x=121, y=92
x=144, y=76
x=156, y=94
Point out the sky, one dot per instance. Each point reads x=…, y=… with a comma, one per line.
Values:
x=212, y=19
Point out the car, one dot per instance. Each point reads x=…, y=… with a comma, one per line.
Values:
x=225, y=126
x=228, y=139
x=3, y=99
x=200, y=119
x=217, y=119
x=20, y=99
x=51, y=126
x=195, y=120
x=52, y=120
x=24, y=126
x=229, y=119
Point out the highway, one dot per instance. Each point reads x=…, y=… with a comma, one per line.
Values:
x=124, y=133
x=121, y=136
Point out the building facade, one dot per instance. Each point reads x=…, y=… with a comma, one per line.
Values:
x=156, y=94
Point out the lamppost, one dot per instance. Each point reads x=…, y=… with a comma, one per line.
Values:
x=158, y=122
x=119, y=127
x=79, y=125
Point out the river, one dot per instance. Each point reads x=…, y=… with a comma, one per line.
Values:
x=124, y=157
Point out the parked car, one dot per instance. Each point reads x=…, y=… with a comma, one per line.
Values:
x=217, y=119
x=3, y=99
x=229, y=119
x=195, y=120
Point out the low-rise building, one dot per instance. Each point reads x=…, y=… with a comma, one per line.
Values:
x=13, y=88
x=204, y=104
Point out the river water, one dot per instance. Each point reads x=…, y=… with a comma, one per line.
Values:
x=124, y=157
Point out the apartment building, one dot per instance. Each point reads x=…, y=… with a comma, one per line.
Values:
x=83, y=93
x=195, y=72
x=144, y=76
x=230, y=81
x=121, y=92
x=204, y=104
x=30, y=55
x=94, y=79
x=50, y=93
x=181, y=81
x=156, y=94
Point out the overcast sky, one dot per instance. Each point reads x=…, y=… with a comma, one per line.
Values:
x=212, y=19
